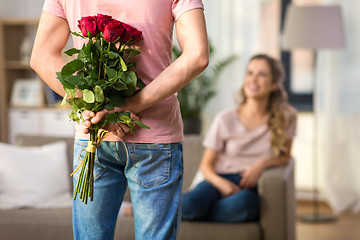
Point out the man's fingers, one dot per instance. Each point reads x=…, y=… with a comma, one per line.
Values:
x=119, y=131
x=134, y=117
x=99, y=116
x=88, y=114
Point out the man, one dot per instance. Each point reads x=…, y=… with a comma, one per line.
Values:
x=149, y=161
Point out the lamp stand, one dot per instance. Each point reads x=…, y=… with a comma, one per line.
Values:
x=316, y=216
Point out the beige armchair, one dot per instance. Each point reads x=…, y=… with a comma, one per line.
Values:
x=277, y=197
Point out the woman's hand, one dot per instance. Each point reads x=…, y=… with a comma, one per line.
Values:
x=118, y=129
x=226, y=187
x=251, y=176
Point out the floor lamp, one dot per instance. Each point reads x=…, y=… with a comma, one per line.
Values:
x=314, y=27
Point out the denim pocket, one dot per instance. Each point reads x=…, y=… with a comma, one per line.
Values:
x=150, y=164
x=79, y=154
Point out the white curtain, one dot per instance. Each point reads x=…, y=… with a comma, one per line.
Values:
x=338, y=114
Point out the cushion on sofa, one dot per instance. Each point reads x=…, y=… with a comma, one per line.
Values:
x=34, y=177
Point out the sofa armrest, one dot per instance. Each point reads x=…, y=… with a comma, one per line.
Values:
x=277, y=202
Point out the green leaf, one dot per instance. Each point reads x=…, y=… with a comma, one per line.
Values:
x=90, y=106
x=99, y=94
x=124, y=117
x=103, y=123
x=119, y=85
x=76, y=104
x=111, y=73
x=112, y=118
x=123, y=64
x=63, y=102
x=88, y=96
x=74, y=116
x=109, y=106
x=102, y=84
x=72, y=51
x=74, y=80
x=94, y=73
x=116, y=100
x=133, y=78
x=113, y=55
x=140, y=84
x=140, y=124
x=72, y=67
x=132, y=52
x=71, y=92
x=77, y=34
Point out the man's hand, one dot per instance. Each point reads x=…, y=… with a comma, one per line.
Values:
x=118, y=129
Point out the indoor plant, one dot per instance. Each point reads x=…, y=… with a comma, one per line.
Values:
x=195, y=95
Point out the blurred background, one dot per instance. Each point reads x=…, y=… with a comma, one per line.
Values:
x=326, y=151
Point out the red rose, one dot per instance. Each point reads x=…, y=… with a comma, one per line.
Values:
x=102, y=21
x=88, y=24
x=113, y=30
x=131, y=34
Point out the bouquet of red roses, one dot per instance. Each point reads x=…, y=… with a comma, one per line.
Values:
x=100, y=77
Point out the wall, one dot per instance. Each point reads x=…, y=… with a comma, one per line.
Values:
x=21, y=8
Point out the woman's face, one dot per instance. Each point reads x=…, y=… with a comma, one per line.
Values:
x=258, y=81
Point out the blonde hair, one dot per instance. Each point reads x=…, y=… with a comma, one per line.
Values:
x=277, y=104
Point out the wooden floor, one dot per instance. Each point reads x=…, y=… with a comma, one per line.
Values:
x=346, y=226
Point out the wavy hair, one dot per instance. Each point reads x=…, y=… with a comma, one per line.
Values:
x=277, y=103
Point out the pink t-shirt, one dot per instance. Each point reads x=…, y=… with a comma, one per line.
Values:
x=239, y=147
x=155, y=18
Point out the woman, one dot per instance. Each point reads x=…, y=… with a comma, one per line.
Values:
x=241, y=143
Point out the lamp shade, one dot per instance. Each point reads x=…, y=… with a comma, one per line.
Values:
x=313, y=27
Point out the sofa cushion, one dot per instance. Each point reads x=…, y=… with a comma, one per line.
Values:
x=34, y=177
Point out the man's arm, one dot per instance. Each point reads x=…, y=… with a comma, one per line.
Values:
x=192, y=38
x=46, y=59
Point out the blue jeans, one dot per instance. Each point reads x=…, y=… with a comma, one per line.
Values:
x=153, y=173
x=205, y=203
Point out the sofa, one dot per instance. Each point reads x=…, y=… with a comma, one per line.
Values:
x=276, y=221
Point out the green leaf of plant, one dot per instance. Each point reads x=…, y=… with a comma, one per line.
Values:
x=111, y=73
x=133, y=78
x=76, y=104
x=74, y=116
x=132, y=52
x=88, y=96
x=74, y=80
x=123, y=64
x=119, y=85
x=112, y=118
x=103, y=123
x=99, y=94
x=72, y=67
x=63, y=102
x=77, y=34
x=140, y=124
x=102, y=84
x=72, y=51
x=113, y=55
x=71, y=92
x=124, y=117
x=94, y=73
x=90, y=106
x=140, y=84
x=116, y=100
x=109, y=106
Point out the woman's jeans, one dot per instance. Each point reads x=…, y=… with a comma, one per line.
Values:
x=204, y=202
x=153, y=173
